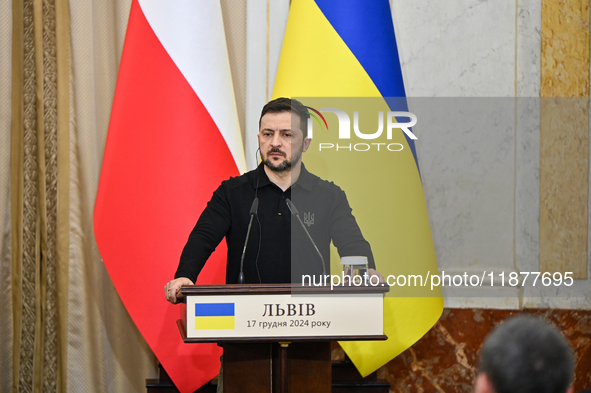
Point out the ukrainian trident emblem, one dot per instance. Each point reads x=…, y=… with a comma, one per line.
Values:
x=309, y=219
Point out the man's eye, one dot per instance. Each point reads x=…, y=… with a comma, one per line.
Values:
x=287, y=135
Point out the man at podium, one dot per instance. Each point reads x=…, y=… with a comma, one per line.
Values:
x=259, y=214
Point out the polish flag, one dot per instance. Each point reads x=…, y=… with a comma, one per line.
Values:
x=173, y=137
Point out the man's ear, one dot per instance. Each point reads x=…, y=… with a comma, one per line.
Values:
x=483, y=384
x=307, y=142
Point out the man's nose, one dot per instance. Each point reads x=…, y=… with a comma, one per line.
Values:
x=276, y=141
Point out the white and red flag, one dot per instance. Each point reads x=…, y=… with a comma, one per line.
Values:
x=173, y=137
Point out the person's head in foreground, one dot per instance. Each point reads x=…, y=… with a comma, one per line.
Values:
x=525, y=355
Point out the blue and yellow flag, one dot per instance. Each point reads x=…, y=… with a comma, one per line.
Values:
x=347, y=48
x=214, y=316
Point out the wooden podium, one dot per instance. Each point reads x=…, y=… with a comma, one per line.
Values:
x=277, y=337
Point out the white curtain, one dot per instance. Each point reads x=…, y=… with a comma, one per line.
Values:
x=106, y=352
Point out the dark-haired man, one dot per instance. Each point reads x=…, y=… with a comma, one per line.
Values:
x=277, y=251
x=525, y=355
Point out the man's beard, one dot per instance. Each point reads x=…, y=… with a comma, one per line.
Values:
x=285, y=165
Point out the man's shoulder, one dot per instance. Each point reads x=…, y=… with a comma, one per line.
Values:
x=245, y=179
x=320, y=184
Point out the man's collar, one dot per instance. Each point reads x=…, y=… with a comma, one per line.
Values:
x=306, y=179
x=261, y=176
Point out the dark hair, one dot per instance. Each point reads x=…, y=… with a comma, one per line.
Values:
x=283, y=104
x=527, y=355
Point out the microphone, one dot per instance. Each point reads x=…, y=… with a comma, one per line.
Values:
x=253, y=211
x=295, y=212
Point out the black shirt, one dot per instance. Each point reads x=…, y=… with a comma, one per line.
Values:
x=278, y=249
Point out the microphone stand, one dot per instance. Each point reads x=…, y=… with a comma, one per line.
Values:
x=253, y=212
x=295, y=212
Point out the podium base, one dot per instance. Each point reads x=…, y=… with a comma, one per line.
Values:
x=345, y=379
x=277, y=367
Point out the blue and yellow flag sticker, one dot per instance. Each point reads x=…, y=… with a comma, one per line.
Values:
x=214, y=316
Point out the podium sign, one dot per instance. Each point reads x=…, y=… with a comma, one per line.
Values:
x=276, y=337
x=281, y=313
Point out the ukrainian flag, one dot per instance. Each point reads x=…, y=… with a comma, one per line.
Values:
x=214, y=316
x=347, y=48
